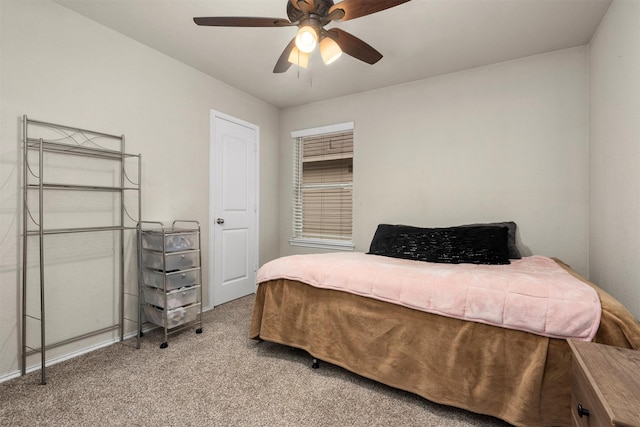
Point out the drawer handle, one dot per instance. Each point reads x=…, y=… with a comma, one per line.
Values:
x=184, y=274
x=582, y=411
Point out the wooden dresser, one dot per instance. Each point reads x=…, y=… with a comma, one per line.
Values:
x=605, y=386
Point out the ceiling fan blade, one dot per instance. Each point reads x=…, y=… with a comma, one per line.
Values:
x=283, y=63
x=351, y=45
x=242, y=21
x=357, y=8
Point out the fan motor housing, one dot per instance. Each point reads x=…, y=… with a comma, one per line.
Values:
x=321, y=9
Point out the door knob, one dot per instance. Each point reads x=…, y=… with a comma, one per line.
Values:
x=220, y=221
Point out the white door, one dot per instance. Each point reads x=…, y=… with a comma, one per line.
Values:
x=234, y=214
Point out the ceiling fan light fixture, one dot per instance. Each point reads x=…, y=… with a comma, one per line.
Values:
x=299, y=58
x=329, y=50
x=307, y=39
x=311, y=17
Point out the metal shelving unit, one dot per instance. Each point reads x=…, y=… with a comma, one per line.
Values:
x=40, y=141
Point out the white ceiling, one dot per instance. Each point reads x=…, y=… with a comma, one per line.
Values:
x=419, y=39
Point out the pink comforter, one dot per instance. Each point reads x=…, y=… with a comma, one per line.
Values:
x=533, y=294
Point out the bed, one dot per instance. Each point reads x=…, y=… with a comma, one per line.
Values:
x=479, y=365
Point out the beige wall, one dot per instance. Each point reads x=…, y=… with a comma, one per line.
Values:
x=60, y=67
x=614, y=167
x=502, y=142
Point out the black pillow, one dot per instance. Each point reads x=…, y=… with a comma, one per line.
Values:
x=514, y=252
x=476, y=245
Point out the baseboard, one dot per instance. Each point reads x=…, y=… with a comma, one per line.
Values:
x=9, y=376
x=18, y=373
x=60, y=359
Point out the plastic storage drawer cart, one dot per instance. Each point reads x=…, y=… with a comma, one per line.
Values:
x=170, y=276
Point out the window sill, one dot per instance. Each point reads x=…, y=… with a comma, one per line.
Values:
x=335, y=245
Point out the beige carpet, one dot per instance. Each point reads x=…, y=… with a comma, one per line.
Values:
x=217, y=378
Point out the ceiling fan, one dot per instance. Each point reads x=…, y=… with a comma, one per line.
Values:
x=311, y=16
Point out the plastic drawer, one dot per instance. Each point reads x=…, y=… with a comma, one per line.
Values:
x=174, y=318
x=175, y=280
x=174, y=261
x=176, y=298
x=173, y=241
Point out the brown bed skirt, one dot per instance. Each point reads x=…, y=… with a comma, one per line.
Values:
x=519, y=377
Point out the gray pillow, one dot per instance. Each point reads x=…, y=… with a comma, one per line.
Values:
x=514, y=253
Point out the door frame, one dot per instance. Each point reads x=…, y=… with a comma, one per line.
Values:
x=213, y=114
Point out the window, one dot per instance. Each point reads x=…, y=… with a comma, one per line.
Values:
x=323, y=187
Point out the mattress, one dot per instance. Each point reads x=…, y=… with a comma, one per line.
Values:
x=517, y=376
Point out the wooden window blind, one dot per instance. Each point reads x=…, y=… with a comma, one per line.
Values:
x=323, y=187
